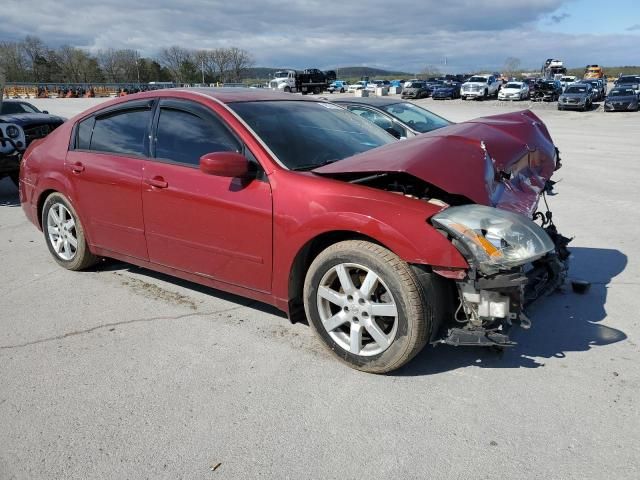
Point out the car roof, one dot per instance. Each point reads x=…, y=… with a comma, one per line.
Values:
x=239, y=94
x=373, y=101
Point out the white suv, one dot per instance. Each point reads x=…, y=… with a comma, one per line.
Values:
x=480, y=86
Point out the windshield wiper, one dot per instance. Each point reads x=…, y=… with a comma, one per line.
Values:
x=311, y=166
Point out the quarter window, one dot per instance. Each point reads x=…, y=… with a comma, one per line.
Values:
x=85, y=129
x=184, y=136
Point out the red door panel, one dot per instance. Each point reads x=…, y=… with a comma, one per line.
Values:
x=107, y=187
x=218, y=227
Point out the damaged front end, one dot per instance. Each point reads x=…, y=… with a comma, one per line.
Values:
x=512, y=262
x=490, y=174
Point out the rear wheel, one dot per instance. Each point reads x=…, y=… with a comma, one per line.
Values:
x=64, y=234
x=367, y=306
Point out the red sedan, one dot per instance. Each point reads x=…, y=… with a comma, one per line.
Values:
x=383, y=245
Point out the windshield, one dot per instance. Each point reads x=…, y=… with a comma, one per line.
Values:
x=575, y=89
x=568, y=79
x=513, y=85
x=478, y=79
x=622, y=92
x=414, y=85
x=281, y=74
x=629, y=79
x=417, y=118
x=17, y=107
x=305, y=135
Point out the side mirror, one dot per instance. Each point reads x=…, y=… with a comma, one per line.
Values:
x=45, y=111
x=224, y=164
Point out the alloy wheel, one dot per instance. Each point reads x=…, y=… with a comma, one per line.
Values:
x=61, y=229
x=357, y=309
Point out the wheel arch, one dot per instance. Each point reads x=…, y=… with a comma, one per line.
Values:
x=303, y=259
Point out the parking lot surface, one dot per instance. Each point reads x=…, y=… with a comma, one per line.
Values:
x=120, y=372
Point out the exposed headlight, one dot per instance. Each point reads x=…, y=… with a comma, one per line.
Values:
x=13, y=131
x=494, y=239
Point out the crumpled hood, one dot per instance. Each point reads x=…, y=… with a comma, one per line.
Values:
x=25, y=119
x=502, y=160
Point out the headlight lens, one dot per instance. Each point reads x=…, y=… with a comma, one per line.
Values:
x=495, y=239
x=13, y=131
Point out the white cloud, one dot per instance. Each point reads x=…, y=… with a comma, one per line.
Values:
x=325, y=33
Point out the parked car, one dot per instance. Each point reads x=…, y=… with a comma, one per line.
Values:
x=12, y=144
x=514, y=91
x=577, y=96
x=36, y=124
x=621, y=99
x=546, y=91
x=447, y=90
x=631, y=81
x=33, y=124
x=433, y=85
x=353, y=87
x=480, y=86
x=301, y=204
x=415, y=89
x=400, y=119
x=372, y=85
x=567, y=79
x=598, y=87
x=338, y=86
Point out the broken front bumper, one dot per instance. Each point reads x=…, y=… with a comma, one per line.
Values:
x=489, y=306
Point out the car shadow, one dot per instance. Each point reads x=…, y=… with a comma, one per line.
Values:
x=111, y=265
x=8, y=193
x=562, y=322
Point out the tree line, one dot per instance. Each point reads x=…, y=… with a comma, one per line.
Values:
x=33, y=61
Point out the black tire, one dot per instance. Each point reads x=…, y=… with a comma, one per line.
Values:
x=15, y=178
x=559, y=107
x=415, y=315
x=287, y=89
x=83, y=258
x=342, y=90
x=486, y=94
x=317, y=90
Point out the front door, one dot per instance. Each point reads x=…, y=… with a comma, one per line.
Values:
x=217, y=227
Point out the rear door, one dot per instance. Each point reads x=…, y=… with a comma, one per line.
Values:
x=217, y=227
x=105, y=169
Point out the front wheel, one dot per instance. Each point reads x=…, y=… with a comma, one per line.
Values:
x=342, y=90
x=367, y=306
x=287, y=89
x=64, y=234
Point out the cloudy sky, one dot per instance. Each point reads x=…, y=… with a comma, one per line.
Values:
x=404, y=35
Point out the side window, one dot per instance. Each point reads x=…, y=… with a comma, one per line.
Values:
x=84, y=131
x=121, y=132
x=184, y=137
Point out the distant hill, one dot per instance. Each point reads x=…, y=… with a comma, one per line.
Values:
x=357, y=72
x=343, y=72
